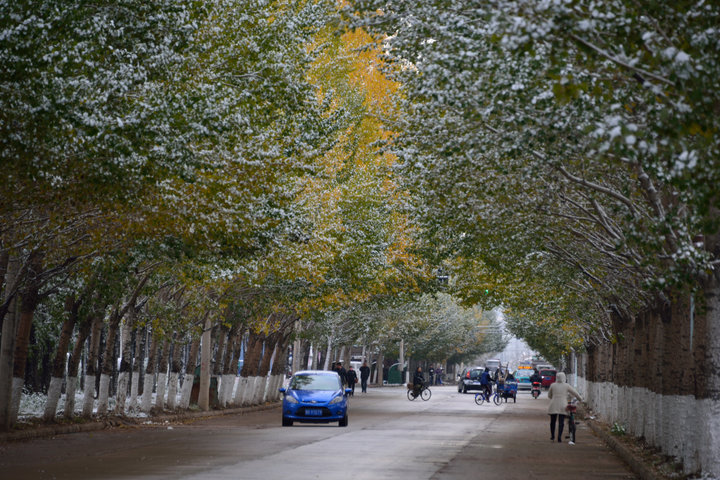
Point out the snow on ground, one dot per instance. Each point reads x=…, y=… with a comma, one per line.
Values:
x=32, y=406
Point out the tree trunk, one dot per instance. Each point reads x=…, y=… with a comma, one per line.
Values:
x=91, y=370
x=108, y=362
x=140, y=341
x=205, y=356
x=175, y=366
x=149, y=383
x=162, y=376
x=232, y=368
x=379, y=367
x=29, y=300
x=250, y=366
x=73, y=363
x=328, y=354
x=190, y=372
x=58, y=369
x=263, y=368
x=5, y=292
x=126, y=361
x=242, y=380
x=7, y=345
x=278, y=367
x=227, y=381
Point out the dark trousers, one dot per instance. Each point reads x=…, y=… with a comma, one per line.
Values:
x=561, y=424
x=363, y=384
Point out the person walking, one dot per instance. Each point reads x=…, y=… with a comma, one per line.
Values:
x=351, y=377
x=431, y=374
x=341, y=371
x=558, y=394
x=364, y=375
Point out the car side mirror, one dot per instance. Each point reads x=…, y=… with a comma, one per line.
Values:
x=282, y=390
x=348, y=391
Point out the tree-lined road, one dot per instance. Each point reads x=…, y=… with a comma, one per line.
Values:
x=388, y=437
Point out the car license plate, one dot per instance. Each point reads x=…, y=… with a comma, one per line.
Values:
x=313, y=412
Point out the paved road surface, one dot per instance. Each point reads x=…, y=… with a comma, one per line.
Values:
x=389, y=437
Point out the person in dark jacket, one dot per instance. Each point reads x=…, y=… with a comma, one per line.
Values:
x=486, y=382
x=351, y=377
x=364, y=375
x=418, y=381
x=341, y=371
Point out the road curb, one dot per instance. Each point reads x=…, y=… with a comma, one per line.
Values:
x=45, y=431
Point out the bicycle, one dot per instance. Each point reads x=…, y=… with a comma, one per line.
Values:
x=424, y=393
x=571, y=408
x=486, y=395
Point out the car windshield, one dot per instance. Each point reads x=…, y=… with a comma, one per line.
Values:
x=548, y=373
x=315, y=382
x=475, y=374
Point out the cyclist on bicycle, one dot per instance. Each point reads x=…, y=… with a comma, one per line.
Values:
x=486, y=382
x=418, y=381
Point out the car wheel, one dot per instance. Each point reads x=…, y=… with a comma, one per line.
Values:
x=286, y=422
x=343, y=421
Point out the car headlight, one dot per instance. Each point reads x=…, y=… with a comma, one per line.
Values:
x=290, y=399
x=337, y=399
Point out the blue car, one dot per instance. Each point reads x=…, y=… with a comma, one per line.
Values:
x=315, y=396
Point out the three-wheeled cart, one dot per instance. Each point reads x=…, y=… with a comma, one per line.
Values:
x=508, y=390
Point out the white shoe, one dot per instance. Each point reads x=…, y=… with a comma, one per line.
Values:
x=571, y=442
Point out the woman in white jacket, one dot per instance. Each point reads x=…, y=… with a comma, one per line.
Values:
x=558, y=394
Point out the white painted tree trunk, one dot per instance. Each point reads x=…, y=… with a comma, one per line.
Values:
x=103, y=393
x=274, y=393
x=328, y=353
x=146, y=400
x=205, y=373
x=53, y=397
x=259, y=390
x=172, y=393
x=310, y=357
x=252, y=391
x=134, y=383
x=69, y=408
x=186, y=391
x=121, y=397
x=231, y=393
x=222, y=389
x=709, y=414
x=17, y=387
x=247, y=391
x=228, y=383
x=161, y=388
x=88, y=397
x=262, y=395
x=240, y=391
x=232, y=386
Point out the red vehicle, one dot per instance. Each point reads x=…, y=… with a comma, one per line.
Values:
x=548, y=378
